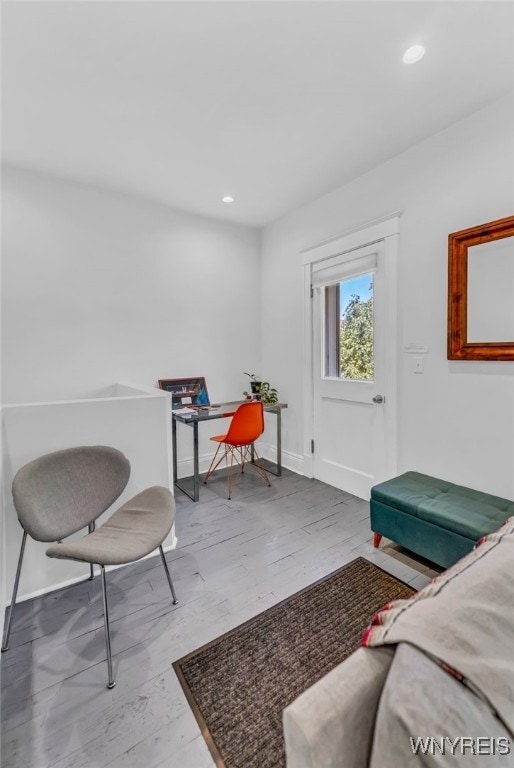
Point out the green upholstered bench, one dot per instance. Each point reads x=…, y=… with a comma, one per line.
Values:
x=434, y=518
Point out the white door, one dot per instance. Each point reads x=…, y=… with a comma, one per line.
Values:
x=353, y=369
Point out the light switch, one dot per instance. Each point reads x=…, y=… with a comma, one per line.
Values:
x=419, y=365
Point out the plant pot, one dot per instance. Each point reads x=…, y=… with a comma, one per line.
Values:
x=256, y=387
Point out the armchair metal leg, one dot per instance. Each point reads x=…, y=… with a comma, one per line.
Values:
x=111, y=682
x=91, y=528
x=7, y=630
x=165, y=564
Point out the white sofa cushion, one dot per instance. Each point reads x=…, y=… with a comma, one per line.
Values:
x=331, y=724
x=422, y=701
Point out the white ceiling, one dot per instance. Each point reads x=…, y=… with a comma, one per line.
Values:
x=273, y=102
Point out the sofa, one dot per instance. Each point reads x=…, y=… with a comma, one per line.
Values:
x=432, y=684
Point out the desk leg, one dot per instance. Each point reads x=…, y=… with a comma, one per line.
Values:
x=174, y=448
x=196, y=476
x=277, y=469
x=279, y=442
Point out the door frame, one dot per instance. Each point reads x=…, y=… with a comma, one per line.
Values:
x=386, y=229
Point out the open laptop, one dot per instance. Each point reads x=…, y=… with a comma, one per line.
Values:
x=190, y=391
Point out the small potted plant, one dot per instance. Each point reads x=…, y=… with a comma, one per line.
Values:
x=268, y=395
x=255, y=383
x=261, y=390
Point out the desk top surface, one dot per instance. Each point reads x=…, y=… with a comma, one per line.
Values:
x=219, y=411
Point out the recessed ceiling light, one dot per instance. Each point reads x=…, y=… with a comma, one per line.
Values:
x=413, y=54
x=227, y=199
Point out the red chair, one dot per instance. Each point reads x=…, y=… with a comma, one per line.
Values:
x=246, y=426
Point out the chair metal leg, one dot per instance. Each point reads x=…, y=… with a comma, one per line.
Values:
x=260, y=469
x=7, y=630
x=214, y=466
x=91, y=528
x=111, y=683
x=175, y=601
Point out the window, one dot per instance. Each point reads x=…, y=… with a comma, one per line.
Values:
x=348, y=309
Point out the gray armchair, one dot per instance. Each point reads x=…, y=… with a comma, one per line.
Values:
x=60, y=493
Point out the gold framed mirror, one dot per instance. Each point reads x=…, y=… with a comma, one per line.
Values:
x=481, y=292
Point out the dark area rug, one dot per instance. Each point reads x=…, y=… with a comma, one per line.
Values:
x=238, y=684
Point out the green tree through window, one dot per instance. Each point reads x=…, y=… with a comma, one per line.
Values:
x=356, y=339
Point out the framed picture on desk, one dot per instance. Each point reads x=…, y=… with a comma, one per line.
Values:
x=186, y=391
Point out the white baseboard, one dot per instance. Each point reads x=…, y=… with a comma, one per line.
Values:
x=78, y=579
x=308, y=465
x=185, y=466
x=292, y=461
x=346, y=478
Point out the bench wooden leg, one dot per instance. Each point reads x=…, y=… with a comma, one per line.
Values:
x=376, y=539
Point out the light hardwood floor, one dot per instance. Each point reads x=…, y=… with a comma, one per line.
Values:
x=234, y=559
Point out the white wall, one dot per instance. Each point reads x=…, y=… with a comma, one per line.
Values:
x=99, y=287
x=457, y=420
